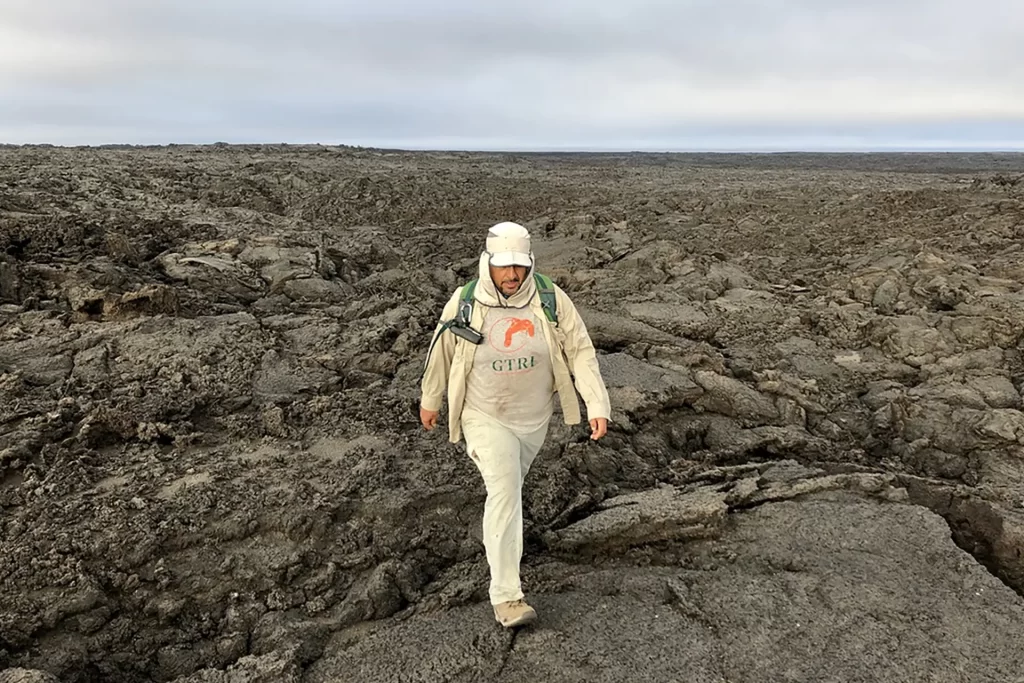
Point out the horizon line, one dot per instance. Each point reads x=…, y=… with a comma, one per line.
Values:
x=549, y=149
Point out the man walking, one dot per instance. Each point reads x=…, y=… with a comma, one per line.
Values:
x=505, y=345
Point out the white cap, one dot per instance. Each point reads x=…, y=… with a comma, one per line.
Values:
x=509, y=245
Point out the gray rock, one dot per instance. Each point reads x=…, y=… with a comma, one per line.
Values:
x=912, y=340
x=863, y=287
x=725, y=276
x=996, y=390
x=10, y=283
x=27, y=676
x=92, y=365
x=995, y=328
x=276, y=667
x=980, y=359
x=638, y=386
x=1004, y=424
x=156, y=522
x=881, y=485
x=678, y=319
x=147, y=300
x=41, y=362
x=317, y=289
x=606, y=329
x=668, y=514
x=279, y=265
x=921, y=458
x=220, y=276
x=85, y=299
x=879, y=586
x=937, y=424
x=790, y=386
x=951, y=392
x=994, y=529
x=787, y=470
x=284, y=378
x=733, y=398
x=806, y=359
x=882, y=393
x=884, y=299
x=636, y=519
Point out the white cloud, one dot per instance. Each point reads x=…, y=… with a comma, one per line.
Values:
x=538, y=72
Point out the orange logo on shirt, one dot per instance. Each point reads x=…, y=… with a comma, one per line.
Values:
x=517, y=326
x=505, y=334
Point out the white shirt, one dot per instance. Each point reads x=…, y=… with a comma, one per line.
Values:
x=512, y=379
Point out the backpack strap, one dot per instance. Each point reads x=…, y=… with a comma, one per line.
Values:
x=465, y=313
x=462, y=317
x=547, y=297
x=545, y=287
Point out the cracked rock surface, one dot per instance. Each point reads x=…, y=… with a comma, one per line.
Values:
x=828, y=587
x=212, y=470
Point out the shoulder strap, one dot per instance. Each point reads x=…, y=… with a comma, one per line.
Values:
x=545, y=287
x=547, y=297
x=465, y=313
x=465, y=310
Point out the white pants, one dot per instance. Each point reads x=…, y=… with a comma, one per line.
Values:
x=503, y=458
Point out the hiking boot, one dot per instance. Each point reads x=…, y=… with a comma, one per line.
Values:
x=514, y=613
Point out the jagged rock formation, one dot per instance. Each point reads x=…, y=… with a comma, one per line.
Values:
x=211, y=468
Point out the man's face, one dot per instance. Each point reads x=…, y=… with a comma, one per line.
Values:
x=508, y=279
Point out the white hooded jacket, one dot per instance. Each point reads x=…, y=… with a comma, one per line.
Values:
x=573, y=357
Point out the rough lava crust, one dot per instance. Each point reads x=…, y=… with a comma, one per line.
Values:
x=211, y=467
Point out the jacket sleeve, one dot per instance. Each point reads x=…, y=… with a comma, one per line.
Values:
x=582, y=358
x=439, y=359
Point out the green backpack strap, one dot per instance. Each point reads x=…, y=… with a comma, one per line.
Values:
x=547, y=297
x=462, y=315
x=465, y=312
x=545, y=287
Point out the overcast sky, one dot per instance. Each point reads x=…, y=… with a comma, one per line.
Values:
x=520, y=74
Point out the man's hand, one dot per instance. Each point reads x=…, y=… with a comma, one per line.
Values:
x=428, y=418
x=598, y=427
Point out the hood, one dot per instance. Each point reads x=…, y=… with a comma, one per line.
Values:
x=487, y=294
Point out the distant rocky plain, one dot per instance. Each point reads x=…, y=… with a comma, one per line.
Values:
x=212, y=470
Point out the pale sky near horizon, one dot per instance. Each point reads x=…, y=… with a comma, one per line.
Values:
x=531, y=74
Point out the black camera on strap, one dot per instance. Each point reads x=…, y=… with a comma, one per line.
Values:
x=460, y=326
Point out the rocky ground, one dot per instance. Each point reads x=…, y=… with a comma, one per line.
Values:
x=211, y=467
